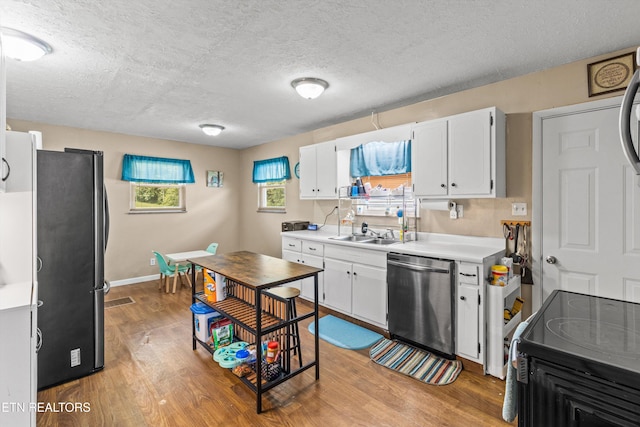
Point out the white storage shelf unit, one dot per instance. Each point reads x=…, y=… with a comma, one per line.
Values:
x=499, y=333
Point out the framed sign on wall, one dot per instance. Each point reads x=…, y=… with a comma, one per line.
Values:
x=611, y=75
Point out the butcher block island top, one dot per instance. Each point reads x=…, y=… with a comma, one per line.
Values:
x=255, y=270
x=258, y=314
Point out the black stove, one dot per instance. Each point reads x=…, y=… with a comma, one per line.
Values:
x=581, y=363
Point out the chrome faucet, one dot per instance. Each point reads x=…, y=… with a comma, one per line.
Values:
x=390, y=232
x=374, y=233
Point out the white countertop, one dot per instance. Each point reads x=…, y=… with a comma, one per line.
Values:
x=447, y=246
x=16, y=295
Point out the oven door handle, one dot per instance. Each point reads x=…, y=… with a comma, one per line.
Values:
x=418, y=267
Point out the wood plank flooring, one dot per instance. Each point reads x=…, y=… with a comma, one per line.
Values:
x=152, y=377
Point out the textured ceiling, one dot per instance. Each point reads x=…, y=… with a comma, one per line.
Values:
x=159, y=68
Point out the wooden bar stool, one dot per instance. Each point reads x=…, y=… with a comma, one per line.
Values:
x=293, y=333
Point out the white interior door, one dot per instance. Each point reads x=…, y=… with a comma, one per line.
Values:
x=590, y=225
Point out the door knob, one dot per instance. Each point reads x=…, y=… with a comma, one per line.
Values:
x=551, y=259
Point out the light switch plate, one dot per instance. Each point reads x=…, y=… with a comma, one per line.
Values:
x=518, y=209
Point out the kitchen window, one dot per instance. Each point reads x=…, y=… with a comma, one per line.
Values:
x=272, y=196
x=147, y=198
x=271, y=175
x=156, y=183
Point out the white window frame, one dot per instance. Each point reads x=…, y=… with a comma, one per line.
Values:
x=173, y=209
x=262, y=196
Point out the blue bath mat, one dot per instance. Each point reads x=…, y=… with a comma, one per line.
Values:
x=344, y=334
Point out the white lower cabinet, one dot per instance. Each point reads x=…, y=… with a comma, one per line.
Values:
x=354, y=281
x=369, y=294
x=337, y=292
x=308, y=253
x=470, y=312
x=293, y=257
x=306, y=289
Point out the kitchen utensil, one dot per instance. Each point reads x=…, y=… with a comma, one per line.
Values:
x=527, y=278
x=517, y=258
x=508, y=235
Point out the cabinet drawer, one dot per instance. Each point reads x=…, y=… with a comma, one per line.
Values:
x=290, y=244
x=469, y=273
x=361, y=256
x=312, y=248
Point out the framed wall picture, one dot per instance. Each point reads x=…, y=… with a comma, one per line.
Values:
x=612, y=74
x=214, y=178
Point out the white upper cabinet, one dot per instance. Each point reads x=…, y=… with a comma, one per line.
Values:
x=318, y=171
x=461, y=156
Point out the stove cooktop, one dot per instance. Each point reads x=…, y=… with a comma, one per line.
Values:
x=592, y=334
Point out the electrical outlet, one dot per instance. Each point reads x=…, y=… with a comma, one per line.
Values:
x=518, y=209
x=152, y=261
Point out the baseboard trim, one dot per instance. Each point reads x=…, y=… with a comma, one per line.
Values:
x=134, y=280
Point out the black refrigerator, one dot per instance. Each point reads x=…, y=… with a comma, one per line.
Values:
x=72, y=232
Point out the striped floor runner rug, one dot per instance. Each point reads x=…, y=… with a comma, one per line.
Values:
x=415, y=363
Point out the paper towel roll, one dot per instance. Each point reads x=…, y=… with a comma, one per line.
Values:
x=435, y=205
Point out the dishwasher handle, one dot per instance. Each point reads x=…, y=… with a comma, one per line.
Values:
x=418, y=267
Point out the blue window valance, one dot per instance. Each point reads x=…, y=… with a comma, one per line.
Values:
x=156, y=170
x=381, y=158
x=270, y=170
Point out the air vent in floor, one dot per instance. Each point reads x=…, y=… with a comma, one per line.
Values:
x=118, y=302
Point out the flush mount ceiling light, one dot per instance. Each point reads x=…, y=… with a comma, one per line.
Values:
x=309, y=87
x=22, y=46
x=212, y=130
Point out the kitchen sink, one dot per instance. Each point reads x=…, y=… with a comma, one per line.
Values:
x=379, y=241
x=354, y=238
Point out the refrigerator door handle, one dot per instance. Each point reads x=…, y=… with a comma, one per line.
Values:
x=625, y=122
x=106, y=219
x=38, y=340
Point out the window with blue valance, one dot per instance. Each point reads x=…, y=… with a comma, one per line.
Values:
x=156, y=170
x=381, y=158
x=271, y=170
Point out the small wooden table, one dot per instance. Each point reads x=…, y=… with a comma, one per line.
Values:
x=248, y=275
x=181, y=258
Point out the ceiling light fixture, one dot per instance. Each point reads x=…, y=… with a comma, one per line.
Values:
x=22, y=46
x=309, y=87
x=212, y=130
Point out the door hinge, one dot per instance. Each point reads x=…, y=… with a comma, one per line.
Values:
x=490, y=119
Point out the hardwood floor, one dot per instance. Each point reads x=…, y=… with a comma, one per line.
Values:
x=153, y=377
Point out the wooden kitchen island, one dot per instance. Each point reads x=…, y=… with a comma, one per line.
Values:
x=256, y=313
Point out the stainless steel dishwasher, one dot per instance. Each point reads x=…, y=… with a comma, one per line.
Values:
x=421, y=301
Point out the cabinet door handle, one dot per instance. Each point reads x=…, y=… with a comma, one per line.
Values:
x=453, y=184
x=348, y=272
x=463, y=298
x=4, y=178
x=312, y=249
x=355, y=274
x=291, y=245
x=467, y=275
x=443, y=185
